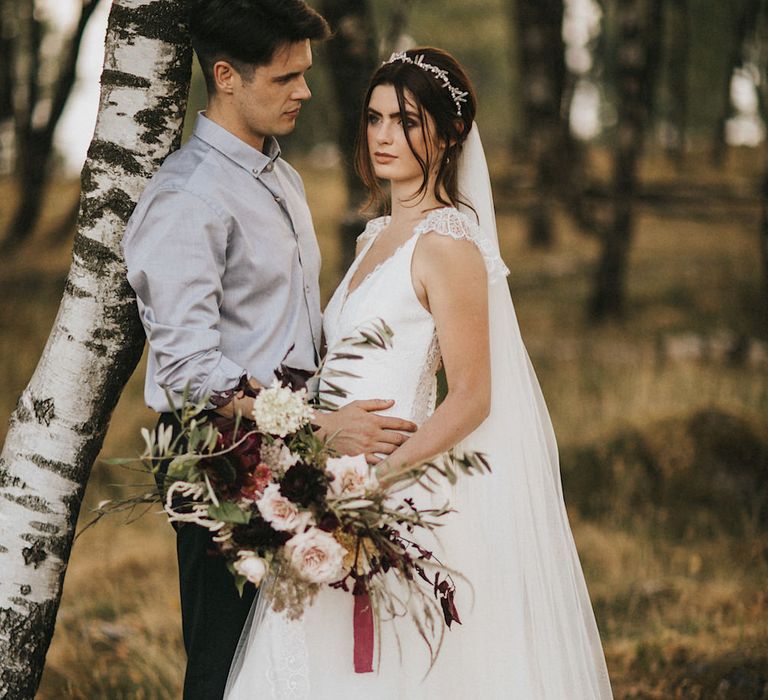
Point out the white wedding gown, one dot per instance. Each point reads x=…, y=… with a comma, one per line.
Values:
x=528, y=629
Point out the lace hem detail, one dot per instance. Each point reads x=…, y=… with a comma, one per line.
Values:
x=288, y=667
x=451, y=222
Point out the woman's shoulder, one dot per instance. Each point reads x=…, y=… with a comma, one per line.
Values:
x=448, y=221
x=373, y=228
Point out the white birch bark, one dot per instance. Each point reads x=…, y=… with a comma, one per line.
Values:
x=59, y=423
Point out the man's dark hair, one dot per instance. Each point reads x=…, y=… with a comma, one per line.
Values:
x=246, y=33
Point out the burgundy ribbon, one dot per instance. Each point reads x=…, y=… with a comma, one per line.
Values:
x=362, y=622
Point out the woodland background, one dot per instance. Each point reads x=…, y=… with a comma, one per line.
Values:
x=627, y=146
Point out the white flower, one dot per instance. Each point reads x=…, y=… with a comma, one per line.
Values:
x=252, y=566
x=281, y=513
x=351, y=476
x=281, y=411
x=316, y=556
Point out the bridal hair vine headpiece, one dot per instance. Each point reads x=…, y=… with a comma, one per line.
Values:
x=458, y=96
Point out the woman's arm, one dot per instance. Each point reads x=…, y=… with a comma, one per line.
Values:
x=450, y=280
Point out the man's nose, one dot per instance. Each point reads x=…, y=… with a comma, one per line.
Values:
x=302, y=91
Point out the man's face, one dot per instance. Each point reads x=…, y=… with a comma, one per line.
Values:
x=269, y=103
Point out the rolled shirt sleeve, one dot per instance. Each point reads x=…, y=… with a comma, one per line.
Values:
x=175, y=251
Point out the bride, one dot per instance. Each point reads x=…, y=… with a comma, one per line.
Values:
x=432, y=271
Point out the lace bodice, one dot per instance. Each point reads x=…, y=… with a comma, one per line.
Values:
x=406, y=371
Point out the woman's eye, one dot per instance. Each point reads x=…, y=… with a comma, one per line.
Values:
x=410, y=123
x=372, y=119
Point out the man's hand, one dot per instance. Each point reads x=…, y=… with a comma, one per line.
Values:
x=357, y=429
x=240, y=403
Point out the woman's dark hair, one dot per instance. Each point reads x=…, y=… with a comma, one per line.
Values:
x=246, y=33
x=430, y=97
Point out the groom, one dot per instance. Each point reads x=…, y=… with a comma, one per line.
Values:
x=223, y=258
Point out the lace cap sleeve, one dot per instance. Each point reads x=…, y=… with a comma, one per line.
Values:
x=451, y=222
x=372, y=229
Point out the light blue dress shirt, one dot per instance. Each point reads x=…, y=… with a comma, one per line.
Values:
x=222, y=255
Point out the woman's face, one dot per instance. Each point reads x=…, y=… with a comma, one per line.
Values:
x=390, y=154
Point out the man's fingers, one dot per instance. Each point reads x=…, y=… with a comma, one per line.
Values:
x=384, y=448
x=388, y=423
x=374, y=404
x=392, y=437
x=372, y=459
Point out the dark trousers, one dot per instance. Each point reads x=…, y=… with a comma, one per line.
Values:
x=212, y=611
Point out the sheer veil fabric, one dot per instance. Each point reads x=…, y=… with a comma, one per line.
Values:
x=528, y=629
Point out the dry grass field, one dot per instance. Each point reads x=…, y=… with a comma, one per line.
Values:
x=661, y=421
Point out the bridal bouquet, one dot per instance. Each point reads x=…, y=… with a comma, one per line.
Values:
x=278, y=500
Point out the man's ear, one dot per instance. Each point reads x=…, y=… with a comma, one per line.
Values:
x=224, y=76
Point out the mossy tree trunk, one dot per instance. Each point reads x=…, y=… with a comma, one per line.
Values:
x=352, y=58
x=59, y=423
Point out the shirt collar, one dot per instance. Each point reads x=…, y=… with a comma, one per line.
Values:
x=237, y=150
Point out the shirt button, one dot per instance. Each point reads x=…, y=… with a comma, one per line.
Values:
x=269, y=167
x=255, y=171
x=278, y=199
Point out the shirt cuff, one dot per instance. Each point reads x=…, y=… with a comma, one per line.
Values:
x=223, y=383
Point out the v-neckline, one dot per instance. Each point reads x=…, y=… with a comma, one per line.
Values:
x=353, y=270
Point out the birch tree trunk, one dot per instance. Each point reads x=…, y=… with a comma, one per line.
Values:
x=353, y=58
x=59, y=423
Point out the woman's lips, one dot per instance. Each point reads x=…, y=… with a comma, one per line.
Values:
x=383, y=157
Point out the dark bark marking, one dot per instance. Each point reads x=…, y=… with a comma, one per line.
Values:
x=44, y=410
x=95, y=257
x=117, y=78
x=25, y=589
x=35, y=554
x=7, y=480
x=112, y=154
x=39, y=505
x=158, y=20
x=50, y=528
x=68, y=471
x=114, y=200
x=3, y=549
x=21, y=649
x=75, y=291
x=98, y=349
x=57, y=545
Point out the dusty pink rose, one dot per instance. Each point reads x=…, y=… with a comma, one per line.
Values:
x=281, y=513
x=316, y=556
x=351, y=476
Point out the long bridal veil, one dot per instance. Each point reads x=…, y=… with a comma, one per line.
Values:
x=550, y=638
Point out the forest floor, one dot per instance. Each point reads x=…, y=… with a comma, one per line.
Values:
x=661, y=421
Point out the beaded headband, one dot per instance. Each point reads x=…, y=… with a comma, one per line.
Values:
x=458, y=96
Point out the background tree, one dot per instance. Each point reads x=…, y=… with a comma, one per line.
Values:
x=352, y=58
x=637, y=51
x=59, y=424
x=34, y=135
x=744, y=17
x=7, y=31
x=540, y=55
